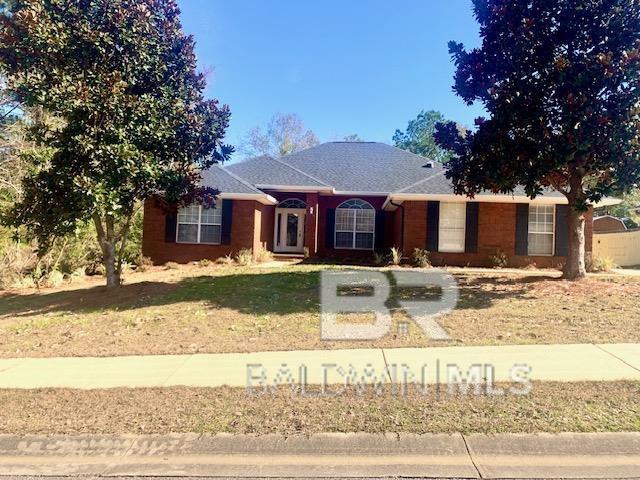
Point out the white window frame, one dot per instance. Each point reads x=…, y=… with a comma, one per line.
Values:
x=367, y=208
x=553, y=232
x=199, y=224
x=463, y=230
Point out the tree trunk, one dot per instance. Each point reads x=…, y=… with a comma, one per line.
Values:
x=575, y=267
x=109, y=259
x=107, y=241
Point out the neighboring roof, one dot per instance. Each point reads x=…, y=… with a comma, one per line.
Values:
x=267, y=171
x=610, y=218
x=609, y=224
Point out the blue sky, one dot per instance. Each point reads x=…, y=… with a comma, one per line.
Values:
x=351, y=66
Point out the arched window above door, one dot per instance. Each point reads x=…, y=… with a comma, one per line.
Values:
x=292, y=203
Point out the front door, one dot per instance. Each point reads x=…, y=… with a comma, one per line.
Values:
x=289, y=230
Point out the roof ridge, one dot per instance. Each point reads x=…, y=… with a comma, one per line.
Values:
x=419, y=182
x=417, y=155
x=251, y=159
x=241, y=180
x=301, y=172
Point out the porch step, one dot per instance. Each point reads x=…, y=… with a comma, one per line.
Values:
x=288, y=256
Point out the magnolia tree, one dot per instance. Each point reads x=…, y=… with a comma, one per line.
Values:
x=121, y=76
x=560, y=82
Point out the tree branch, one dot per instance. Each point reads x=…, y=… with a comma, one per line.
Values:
x=6, y=115
x=123, y=238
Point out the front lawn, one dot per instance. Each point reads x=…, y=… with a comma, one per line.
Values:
x=550, y=407
x=239, y=309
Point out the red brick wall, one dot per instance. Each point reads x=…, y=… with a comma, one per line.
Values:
x=267, y=214
x=415, y=226
x=496, y=231
x=311, y=223
x=396, y=228
x=247, y=214
x=253, y=228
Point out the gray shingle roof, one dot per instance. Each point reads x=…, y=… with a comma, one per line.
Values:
x=227, y=182
x=266, y=170
x=369, y=167
x=440, y=185
x=362, y=166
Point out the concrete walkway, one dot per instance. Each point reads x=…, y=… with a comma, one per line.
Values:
x=609, y=455
x=566, y=363
x=634, y=272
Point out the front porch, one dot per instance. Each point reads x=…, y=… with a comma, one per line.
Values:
x=305, y=224
x=290, y=227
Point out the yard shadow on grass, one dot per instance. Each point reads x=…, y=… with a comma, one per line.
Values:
x=259, y=293
x=477, y=293
x=83, y=299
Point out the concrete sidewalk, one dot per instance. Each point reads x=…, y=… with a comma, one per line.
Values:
x=565, y=363
x=326, y=455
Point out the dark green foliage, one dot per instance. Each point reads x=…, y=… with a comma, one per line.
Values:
x=121, y=75
x=418, y=137
x=560, y=81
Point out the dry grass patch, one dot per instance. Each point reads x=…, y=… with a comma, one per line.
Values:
x=222, y=308
x=550, y=407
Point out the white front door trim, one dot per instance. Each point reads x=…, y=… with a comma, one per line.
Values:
x=282, y=236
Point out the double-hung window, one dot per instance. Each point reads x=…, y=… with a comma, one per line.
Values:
x=453, y=219
x=355, y=225
x=541, y=229
x=197, y=224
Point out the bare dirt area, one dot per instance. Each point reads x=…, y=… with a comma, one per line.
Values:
x=219, y=308
x=549, y=407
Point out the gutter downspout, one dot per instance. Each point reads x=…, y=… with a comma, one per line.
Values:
x=401, y=207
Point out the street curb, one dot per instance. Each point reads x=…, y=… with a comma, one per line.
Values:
x=606, y=455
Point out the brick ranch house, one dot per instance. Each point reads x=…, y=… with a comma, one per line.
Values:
x=348, y=199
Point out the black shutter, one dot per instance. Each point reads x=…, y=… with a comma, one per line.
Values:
x=433, y=226
x=329, y=229
x=379, y=236
x=522, y=229
x=170, y=226
x=227, y=220
x=471, y=232
x=562, y=231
